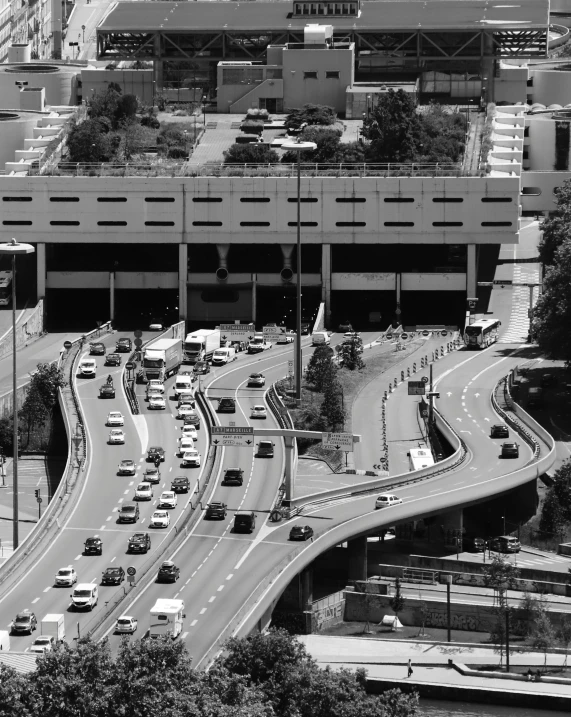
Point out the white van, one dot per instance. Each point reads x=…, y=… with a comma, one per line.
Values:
x=85, y=596
x=88, y=368
x=182, y=383
x=320, y=338
x=223, y=356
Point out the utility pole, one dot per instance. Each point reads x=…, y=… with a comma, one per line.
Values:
x=448, y=616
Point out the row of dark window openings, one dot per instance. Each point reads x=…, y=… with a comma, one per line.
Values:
x=74, y=223
x=265, y=200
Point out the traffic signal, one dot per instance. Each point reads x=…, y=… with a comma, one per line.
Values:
x=37, y=492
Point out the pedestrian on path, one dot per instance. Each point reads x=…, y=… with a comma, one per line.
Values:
x=409, y=667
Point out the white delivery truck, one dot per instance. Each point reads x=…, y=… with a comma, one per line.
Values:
x=4, y=640
x=201, y=344
x=54, y=626
x=161, y=359
x=320, y=338
x=166, y=618
x=223, y=356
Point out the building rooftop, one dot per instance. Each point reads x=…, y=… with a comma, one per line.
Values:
x=219, y=15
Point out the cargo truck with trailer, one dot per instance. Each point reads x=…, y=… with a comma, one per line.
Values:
x=161, y=359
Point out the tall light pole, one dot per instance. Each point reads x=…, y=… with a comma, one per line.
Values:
x=15, y=248
x=299, y=146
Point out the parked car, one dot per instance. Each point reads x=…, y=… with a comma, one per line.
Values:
x=301, y=532
x=474, y=544
x=505, y=544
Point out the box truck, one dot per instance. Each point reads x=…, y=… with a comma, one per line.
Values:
x=161, y=359
x=201, y=344
x=166, y=618
x=53, y=625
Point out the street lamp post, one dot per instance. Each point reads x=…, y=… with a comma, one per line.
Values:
x=83, y=31
x=13, y=248
x=298, y=146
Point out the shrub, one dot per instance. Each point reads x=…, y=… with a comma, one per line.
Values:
x=310, y=115
x=252, y=126
x=250, y=154
x=177, y=152
x=150, y=121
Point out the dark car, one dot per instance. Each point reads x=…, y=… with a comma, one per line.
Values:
x=168, y=572
x=233, y=476
x=216, y=510
x=107, y=391
x=180, y=484
x=155, y=452
x=305, y=328
x=505, y=544
x=548, y=379
x=24, y=621
x=499, y=431
x=473, y=544
x=113, y=360
x=128, y=513
x=344, y=327
x=123, y=345
x=139, y=543
x=97, y=349
x=265, y=449
x=244, y=521
x=227, y=405
x=113, y=576
x=93, y=546
x=510, y=450
x=201, y=367
x=192, y=419
x=152, y=475
x=301, y=532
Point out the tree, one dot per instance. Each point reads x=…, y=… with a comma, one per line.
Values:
x=552, y=521
x=310, y=115
x=250, y=154
x=104, y=104
x=351, y=354
x=397, y=603
x=564, y=635
x=498, y=634
x=543, y=635
x=527, y=612
x=320, y=364
x=46, y=380
x=500, y=575
x=332, y=407
x=88, y=142
x=556, y=229
x=552, y=313
x=393, y=128
x=398, y=704
x=34, y=412
x=327, y=140
x=126, y=110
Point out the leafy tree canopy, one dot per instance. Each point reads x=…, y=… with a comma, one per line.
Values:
x=250, y=154
x=556, y=229
x=310, y=114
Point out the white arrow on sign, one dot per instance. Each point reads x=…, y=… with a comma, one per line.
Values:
x=449, y=394
x=477, y=395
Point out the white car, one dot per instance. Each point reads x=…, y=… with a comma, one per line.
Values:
x=259, y=412
x=155, y=326
x=157, y=402
x=144, y=491
x=185, y=443
x=256, y=379
x=155, y=384
x=191, y=458
x=185, y=410
x=66, y=576
x=386, y=499
x=189, y=431
x=116, y=436
x=160, y=519
x=286, y=338
x=115, y=418
x=168, y=499
x=126, y=625
x=43, y=643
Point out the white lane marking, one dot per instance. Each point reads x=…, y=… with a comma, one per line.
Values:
x=113, y=558
x=109, y=518
x=35, y=601
x=184, y=635
x=126, y=492
x=220, y=588
x=48, y=588
x=212, y=599
x=77, y=557
x=200, y=613
x=102, y=527
x=229, y=577
x=193, y=623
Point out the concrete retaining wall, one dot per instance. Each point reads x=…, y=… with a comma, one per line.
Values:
x=26, y=331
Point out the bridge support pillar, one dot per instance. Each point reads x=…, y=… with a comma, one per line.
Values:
x=112, y=295
x=41, y=270
x=471, y=271
x=289, y=468
x=182, y=278
x=452, y=528
x=357, y=559
x=326, y=281
x=254, y=297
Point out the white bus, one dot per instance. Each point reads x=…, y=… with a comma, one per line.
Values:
x=482, y=333
x=5, y=288
x=420, y=457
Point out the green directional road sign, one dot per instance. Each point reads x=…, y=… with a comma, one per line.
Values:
x=238, y=436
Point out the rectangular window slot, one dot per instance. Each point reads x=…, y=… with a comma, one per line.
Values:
x=159, y=199
x=350, y=224
x=112, y=224
x=310, y=75
x=304, y=200
x=251, y=200
x=69, y=223
x=507, y=200
x=111, y=199
x=16, y=199
x=447, y=200
x=206, y=224
x=254, y=224
x=399, y=224
x=332, y=75
x=303, y=224
x=159, y=224
x=398, y=200
x=447, y=224
x=351, y=200
x=64, y=199
x=206, y=199
x=496, y=224
x=16, y=224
